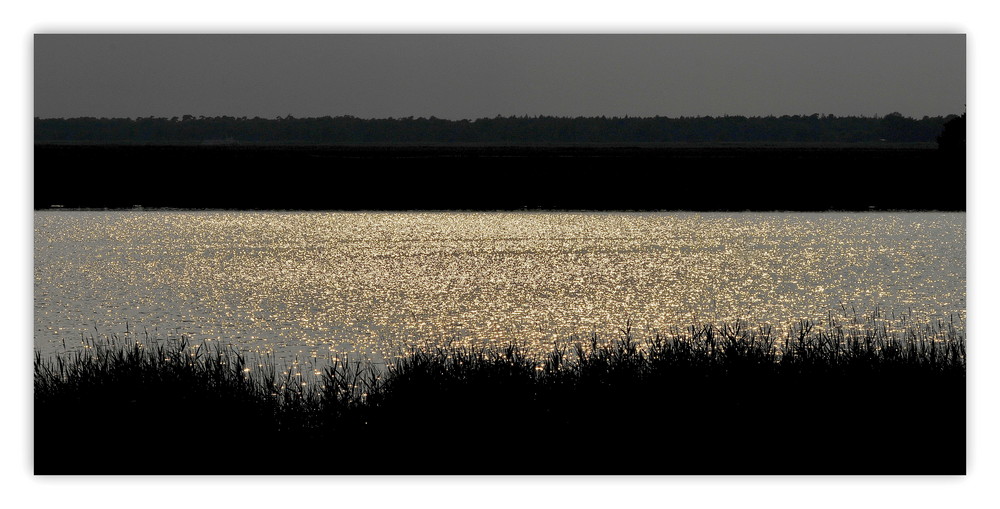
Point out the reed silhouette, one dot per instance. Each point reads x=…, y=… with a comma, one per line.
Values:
x=847, y=398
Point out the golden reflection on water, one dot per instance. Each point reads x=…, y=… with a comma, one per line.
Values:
x=320, y=285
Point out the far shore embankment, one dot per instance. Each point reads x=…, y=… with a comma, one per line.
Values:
x=695, y=177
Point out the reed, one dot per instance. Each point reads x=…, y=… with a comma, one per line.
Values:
x=848, y=397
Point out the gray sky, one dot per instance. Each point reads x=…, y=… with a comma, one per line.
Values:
x=473, y=76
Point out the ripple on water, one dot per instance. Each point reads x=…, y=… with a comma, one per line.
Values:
x=324, y=284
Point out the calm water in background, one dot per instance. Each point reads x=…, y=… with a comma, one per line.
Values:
x=323, y=284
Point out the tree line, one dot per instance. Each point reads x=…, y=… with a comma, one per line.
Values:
x=893, y=127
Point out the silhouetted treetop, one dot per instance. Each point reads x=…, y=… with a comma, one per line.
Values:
x=538, y=129
x=952, y=138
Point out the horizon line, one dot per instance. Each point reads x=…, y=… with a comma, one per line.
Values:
x=523, y=116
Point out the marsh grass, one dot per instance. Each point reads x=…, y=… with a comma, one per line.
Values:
x=845, y=398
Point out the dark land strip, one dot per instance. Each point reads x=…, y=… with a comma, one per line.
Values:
x=467, y=177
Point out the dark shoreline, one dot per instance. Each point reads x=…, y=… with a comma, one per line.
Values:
x=729, y=400
x=736, y=177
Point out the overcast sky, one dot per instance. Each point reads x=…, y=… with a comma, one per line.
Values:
x=474, y=76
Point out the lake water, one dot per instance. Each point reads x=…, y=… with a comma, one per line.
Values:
x=321, y=284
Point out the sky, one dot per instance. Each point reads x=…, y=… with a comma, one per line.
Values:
x=480, y=75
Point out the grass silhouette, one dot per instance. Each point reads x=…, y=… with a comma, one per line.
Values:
x=844, y=398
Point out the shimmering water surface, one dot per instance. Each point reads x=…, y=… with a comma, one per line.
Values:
x=322, y=284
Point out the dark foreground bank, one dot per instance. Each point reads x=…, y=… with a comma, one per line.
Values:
x=855, y=399
x=448, y=177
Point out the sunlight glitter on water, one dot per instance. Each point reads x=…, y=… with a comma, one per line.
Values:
x=323, y=284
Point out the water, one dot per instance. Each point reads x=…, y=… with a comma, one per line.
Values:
x=322, y=285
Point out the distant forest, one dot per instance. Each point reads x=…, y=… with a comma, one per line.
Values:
x=893, y=127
